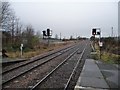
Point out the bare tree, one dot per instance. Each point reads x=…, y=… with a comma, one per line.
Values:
x=5, y=21
x=18, y=32
x=5, y=15
x=14, y=32
x=8, y=23
x=28, y=35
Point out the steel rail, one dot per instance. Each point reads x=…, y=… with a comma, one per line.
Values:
x=43, y=79
x=66, y=86
x=36, y=60
x=34, y=67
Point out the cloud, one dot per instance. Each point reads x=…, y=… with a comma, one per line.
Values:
x=58, y=1
x=69, y=18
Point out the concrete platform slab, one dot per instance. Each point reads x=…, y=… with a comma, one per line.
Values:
x=93, y=82
x=111, y=74
x=91, y=77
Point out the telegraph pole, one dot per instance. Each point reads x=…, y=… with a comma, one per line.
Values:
x=112, y=32
x=48, y=34
x=60, y=36
x=100, y=42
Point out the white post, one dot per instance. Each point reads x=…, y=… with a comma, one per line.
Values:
x=21, y=47
x=100, y=43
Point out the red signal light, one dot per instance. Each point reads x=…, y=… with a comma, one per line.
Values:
x=93, y=31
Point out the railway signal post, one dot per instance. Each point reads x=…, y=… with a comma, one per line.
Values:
x=47, y=34
x=94, y=33
x=97, y=31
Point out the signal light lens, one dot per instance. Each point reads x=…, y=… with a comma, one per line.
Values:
x=93, y=31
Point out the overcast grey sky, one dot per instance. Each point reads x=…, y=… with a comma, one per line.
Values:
x=69, y=17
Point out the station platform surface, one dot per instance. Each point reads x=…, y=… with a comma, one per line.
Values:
x=9, y=60
x=98, y=76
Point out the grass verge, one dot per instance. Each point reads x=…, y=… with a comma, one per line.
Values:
x=106, y=56
x=37, y=51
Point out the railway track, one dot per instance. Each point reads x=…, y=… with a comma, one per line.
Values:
x=51, y=81
x=32, y=65
x=21, y=64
